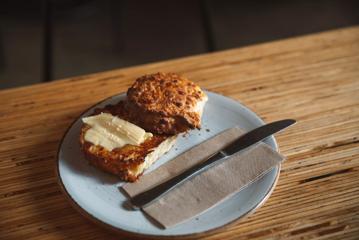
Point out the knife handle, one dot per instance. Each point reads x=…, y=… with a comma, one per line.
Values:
x=143, y=199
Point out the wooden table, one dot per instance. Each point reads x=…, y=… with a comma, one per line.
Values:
x=314, y=79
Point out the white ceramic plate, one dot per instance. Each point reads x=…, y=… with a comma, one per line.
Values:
x=96, y=194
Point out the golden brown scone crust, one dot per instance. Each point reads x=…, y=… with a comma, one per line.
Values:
x=120, y=160
x=164, y=103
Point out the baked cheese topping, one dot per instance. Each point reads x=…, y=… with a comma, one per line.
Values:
x=113, y=132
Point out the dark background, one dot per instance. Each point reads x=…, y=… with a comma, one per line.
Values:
x=46, y=40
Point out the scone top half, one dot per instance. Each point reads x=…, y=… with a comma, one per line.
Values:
x=166, y=103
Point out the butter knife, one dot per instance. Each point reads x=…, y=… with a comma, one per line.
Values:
x=246, y=140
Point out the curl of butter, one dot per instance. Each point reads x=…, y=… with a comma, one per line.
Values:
x=113, y=132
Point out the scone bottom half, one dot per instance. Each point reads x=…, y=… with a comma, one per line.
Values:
x=129, y=161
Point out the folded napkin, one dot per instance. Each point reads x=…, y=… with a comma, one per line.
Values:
x=209, y=188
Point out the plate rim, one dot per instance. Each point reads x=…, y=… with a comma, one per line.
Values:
x=122, y=231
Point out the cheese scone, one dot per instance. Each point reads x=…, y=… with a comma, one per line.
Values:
x=166, y=103
x=115, y=145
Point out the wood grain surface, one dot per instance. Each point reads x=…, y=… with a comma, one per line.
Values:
x=314, y=79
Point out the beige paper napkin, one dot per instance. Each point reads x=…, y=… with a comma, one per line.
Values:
x=209, y=188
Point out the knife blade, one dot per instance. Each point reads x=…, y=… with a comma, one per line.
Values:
x=244, y=141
